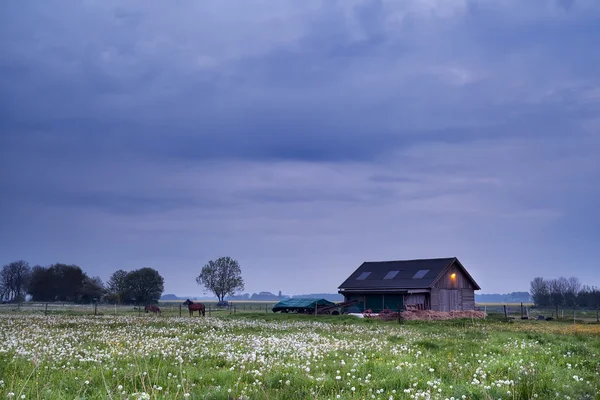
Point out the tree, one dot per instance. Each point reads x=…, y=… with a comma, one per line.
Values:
x=143, y=286
x=93, y=290
x=58, y=282
x=14, y=279
x=116, y=286
x=223, y=277
x=540, y=292
x=40, y=284
x=573, y=287
x=558, y=289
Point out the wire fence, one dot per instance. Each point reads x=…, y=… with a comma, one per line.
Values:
x=170, y=309
x=177, y=309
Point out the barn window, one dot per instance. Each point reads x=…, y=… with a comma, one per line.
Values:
x=391, y=275
x=363, y=276
x=420, y=273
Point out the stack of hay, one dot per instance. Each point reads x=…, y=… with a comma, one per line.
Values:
x=428, y=315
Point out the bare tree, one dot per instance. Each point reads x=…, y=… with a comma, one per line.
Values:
x=14, y=278
x=558, y=288
x=572, y=289
x=540, y=291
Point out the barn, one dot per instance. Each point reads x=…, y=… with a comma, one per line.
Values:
x=439, y=284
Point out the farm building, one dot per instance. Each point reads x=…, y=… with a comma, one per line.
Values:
x=439, y=284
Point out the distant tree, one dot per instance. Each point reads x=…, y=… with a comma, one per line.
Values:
x=14, y=279
x=40, y=284
x=558, y=289
x=93, y=290
x=540, y=292
x=223, y=277
x=572, y=289
x=143, y=286
x=58, y=282
x=116, y=286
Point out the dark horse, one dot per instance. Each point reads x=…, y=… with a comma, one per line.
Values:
x=152, y=308
x=194, y=307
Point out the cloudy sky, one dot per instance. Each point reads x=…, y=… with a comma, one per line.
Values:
x=302, y=137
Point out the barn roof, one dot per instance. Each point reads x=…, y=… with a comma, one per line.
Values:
x=401, y=274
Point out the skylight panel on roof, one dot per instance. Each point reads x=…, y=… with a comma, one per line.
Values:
x=391, y=275
x=420, y=273
x=363, y=276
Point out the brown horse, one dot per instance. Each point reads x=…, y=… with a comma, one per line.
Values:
x=194, y=307
x=152, y=308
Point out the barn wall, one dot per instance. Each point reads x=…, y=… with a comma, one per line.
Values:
x=435, y=299
x=418, y=298
x=468, y=299
x=461, y=281
x=375, y=301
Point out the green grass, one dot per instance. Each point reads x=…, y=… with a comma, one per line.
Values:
x=271, y=356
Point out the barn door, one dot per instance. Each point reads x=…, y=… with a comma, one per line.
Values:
x=449, y=300
x=454, y=300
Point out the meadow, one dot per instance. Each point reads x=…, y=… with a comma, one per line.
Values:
x=267, y=356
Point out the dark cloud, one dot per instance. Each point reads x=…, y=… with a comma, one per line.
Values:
x=311, y=134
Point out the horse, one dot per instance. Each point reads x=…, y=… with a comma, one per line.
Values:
x=152, y=308
x=194, y=307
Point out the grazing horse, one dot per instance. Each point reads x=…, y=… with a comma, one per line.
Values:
x=194, y=307
x=152, y=308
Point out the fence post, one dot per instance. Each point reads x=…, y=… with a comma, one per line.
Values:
x=209, y=310
x=180, y=311
x=505, y=313
x=115, y=309
x=484, y=312
x=266, y=309
x=46, y=309
x=521, y=309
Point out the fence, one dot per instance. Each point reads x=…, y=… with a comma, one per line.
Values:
x=169, y=309
x=523, y=310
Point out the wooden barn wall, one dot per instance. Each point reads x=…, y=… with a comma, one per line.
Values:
x=435, y=299
x=452, y=299
x=468, y=299
x=446, y=282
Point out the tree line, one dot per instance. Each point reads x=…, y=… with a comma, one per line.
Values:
x=563, y=292
x=69, y=283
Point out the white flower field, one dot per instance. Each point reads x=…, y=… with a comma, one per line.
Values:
x=293, y=357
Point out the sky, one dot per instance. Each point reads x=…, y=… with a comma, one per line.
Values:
x=302, y=138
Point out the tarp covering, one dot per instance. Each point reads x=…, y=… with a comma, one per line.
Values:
x=300, y=303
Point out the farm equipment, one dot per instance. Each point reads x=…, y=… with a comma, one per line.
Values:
x=337, y=309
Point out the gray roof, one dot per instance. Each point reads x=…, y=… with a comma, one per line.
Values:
x=402, y=274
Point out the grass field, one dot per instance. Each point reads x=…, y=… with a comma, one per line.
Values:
x=267, y=356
